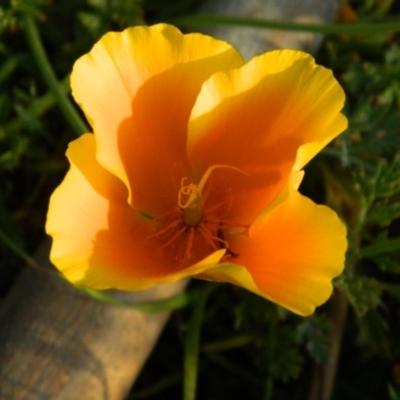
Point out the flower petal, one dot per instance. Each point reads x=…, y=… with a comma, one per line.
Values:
x=291, y=255
x=256, y=118
x=82, y=152
x=98, y=240
x=307, y=151
x=137, y=88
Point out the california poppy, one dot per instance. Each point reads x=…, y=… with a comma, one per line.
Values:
x=193, y=169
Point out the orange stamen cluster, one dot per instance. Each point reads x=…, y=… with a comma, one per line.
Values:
x=192, y=222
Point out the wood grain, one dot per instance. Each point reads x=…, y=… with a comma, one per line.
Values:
x=57, y=342
x=252, y=41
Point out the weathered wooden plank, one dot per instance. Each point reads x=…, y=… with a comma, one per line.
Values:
x=56, y=342
x=252, y=41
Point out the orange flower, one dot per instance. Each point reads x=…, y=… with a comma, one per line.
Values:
x=193, y=169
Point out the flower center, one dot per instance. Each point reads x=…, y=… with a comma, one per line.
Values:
x=193, y=229
x=192, y=205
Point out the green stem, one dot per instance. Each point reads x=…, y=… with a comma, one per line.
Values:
x=345, y=28
x=333, y=152
x=176, y=302
x=48, y=75
x=16, y=249
x=271, y=351
x=155, y=390
x=388, y=246
x=192, y=341
x=38, y=107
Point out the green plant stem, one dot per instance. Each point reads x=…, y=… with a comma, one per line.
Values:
x=271, y=352
x=154, y=391
x=38, y=107
x=176, y=302
x=192, y=340
x=16, y=249
x=333, y=152
x=338, y=317
x=48, y=75
x=388, y=246
x=345, y=28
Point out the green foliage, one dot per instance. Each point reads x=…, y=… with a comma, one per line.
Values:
x=10, y=14
x=313, y=332
x=393, y=394
x=373, y=333
x=287, y=364
x=380, y=191
x=363, y=293
x=369, y=151
x=104, y=15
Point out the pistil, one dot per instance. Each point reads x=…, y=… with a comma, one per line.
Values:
x=192, y=205
x=192, y=213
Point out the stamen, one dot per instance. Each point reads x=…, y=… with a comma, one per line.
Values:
x=207, y=236
x=173, y=238
x=167, y=228
x=189, y=244
x=194, y=227
x=192, y=207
